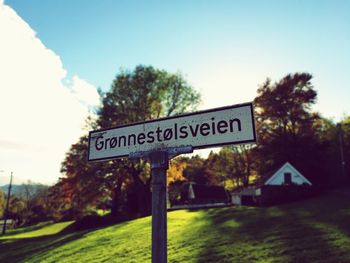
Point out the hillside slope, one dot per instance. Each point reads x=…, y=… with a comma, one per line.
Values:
x=316, y=230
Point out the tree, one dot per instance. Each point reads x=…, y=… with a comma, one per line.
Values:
x=195, y=170
x=218, y=167
x=176, y=180
x=344, y=144
x=284, y=108
x=176, y=169
x=286, y=126
x=2, y=203
x=84, y=183
x=230, y=167
x=17, y=208
x=182, y=171
x=143, y=94
x=242, y=163
x=337, y=138
x=146, y=93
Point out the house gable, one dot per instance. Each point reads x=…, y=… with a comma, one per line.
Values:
x=287, y=170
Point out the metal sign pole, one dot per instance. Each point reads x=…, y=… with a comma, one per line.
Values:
x=159, y=166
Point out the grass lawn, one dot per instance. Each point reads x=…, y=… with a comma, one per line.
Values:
x=317, y=230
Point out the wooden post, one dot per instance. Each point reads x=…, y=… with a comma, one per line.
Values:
x=7, y=206
x=159, y=166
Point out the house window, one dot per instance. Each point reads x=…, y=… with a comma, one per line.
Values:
x=287, y=178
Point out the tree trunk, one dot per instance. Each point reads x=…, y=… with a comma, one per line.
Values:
x=115, y=211
x=143, y=195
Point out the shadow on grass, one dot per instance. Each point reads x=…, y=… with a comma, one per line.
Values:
x=14, y=249
x=74, y=240
x=297, y=232
x=21, y=249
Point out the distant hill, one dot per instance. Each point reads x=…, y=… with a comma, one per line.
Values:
x=20, y=189
x=5, y=179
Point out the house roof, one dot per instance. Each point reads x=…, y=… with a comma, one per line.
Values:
x=208, y=191
x=272, y=174
x=268, y=175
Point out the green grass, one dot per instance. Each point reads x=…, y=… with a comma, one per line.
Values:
x=102, y=212
x=317, y=230
x=39, y=230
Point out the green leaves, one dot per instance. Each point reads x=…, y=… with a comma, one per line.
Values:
x=146, y=93
x=142, y=94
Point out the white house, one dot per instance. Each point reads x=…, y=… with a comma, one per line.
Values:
x=286, y=175
x=252, y=191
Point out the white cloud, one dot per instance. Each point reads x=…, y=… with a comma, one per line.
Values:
x=40, y=117
x=85, y=92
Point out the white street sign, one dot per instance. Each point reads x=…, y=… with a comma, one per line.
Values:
x=202, y=129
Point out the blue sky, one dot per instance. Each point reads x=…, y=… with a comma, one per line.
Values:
x=265, y=38
x=56, y=53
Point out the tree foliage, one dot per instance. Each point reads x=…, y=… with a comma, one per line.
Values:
x=231, y=167
x=285, y=107
x=286, y=125
x=287, y=130
x=139, y=95
x=176, y=169
x=143, y=94
x=29, y=204
x=195, y=170
x=2, y=203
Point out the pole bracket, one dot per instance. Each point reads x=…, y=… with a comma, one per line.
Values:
x=171, y=152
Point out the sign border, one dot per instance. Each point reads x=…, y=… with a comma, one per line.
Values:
x=175, y=117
